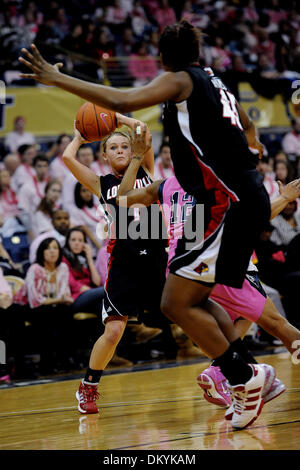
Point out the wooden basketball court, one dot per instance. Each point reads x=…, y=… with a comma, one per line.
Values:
x=160, y=409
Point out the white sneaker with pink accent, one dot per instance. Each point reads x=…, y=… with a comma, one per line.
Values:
x=247, y=399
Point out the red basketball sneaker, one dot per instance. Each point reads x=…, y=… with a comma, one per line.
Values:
x=87, y=396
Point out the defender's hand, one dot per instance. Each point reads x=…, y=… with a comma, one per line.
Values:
x=291, y=191
x=43, y=72
x=141, y=140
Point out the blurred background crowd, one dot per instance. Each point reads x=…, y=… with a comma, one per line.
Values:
x=53, y=239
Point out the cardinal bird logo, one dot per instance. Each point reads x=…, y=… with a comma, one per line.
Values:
x=202, y=268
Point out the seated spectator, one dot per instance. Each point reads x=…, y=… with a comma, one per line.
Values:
x=115, y=14
x=7, y=265
x=291, y=141
x=124, y=47
x=11, y=162
x=24, y=172
x=283, y=171
x=139, y=20
x=47, y=286
x=8, y=198
x=266, y=68
x=100, y=166
x=269, y=182
x=103, y=47
x=163, y=166
x=47, y=280
x=281, y=157
x=153, y=43
x=164, y=15
x=85, y=213
x=57, y=167
x=10, y=221
x=41, y=220
x=141, y=65
x=18, y=136
x=30, y=195
x=61, y=225
x=85, y=156
x=286, y=226
x=84, y=279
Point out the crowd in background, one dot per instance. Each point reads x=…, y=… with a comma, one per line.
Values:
x=53, y=234
x=246, y=40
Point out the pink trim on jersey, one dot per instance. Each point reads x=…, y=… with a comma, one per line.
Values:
x=175, y=230
x=246, y=302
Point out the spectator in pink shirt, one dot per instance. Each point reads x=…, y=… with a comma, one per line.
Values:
x=164, y=15
x=24, y=172
x=87, y=213
x=31, y=194
x=291, y=141
x=141, y=65
x=18, y=136
x=84, y=279
x=8, y=198
x=47, y=286
x=57, y=167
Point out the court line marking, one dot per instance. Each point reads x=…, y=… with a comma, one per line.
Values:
x=13, y=414
x=106, y=405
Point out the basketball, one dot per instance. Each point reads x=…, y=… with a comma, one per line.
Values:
x=94, y=122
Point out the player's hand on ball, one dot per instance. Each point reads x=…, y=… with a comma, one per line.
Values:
x=141, y=139
x=43, y=72
x=127, y=121
x=77, y=134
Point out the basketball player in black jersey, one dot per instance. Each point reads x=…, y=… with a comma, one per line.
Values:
x=210, y=136
x=134, y=264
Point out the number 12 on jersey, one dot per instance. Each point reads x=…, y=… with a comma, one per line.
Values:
x=229, y=108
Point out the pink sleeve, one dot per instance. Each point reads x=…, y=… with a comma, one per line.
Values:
x=34, y=283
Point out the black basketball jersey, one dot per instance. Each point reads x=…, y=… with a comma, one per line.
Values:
x=208, y=144
x=132, y=231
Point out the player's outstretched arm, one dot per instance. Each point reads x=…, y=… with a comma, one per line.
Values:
x=288, y=193
x=83, y=174
x=167, y=86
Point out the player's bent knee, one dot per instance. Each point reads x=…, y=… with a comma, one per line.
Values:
x=114, y=330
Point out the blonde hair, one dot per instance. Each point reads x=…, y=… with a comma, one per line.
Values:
x=104, y=141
